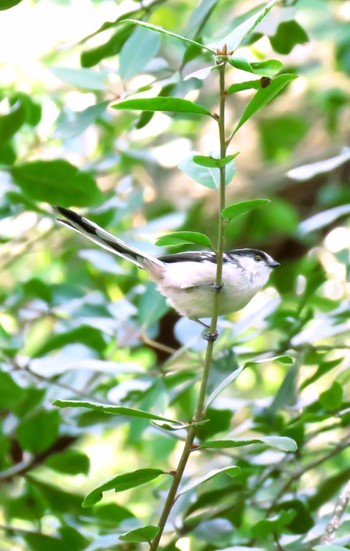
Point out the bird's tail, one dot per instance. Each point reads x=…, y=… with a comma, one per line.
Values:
x=106, y=240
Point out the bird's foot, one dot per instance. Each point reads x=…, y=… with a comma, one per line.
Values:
x=210, y=337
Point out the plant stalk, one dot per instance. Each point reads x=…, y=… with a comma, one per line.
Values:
x=200, y=408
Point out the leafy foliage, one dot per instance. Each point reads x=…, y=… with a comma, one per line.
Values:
x=98, y=377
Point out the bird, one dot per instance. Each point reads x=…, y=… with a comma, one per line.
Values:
x=188, y=279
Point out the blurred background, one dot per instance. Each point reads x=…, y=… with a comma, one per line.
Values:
x=76, y=322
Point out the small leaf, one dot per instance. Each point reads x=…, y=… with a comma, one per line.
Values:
x=332, y=398
x=111, y=410
x=57, y=182
x=237, y=209
x=231, y=471
x=273, y=525
x=284, y=359
x=288, y=35
x=69, y=462
x=268, y=68
x=139, y=535
x=177, y=237
x=264, y=96
x=212, y=162
x=121, y=483
x=247, y=85
x=201, y=74
x=36, y=433
x=206, y=176
x=75, y=123
x=168, y=33
x=282, y=443
x=174, y=105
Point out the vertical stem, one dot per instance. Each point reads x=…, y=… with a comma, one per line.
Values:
x=200, y=408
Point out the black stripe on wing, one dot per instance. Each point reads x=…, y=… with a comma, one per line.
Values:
x=190, y=256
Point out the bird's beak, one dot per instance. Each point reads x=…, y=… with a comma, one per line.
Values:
x=274, y=264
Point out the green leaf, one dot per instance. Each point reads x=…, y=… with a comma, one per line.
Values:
x=288, y=35
x=199, y=16
x=242, y=32
x=264, y=96
x=206, y=176
x=166, y=104
x=324, y=367
x=38, y=432
x=168, y=33
x=137, y=51
x=247, y=85
x=152, y=306
x=10, y=392
x=111, y=47
x=212, y=162
x=85, y=79
x=69, y=462
x=227, y=381
x=272, y=525
x=329, y=548
x=237, y=209
x=284, y=359
x=7, y=4
x=57, y=182
x=231, y=471
x=12, y=121
x=282, y=443
x=89, y=336
x=268, y=68
x=332, y=398
x=177, y=237
x=111, y=410
x=75, y=123
x=121, y=483
x=139, y=535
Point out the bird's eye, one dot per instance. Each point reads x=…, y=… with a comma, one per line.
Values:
x=258, y=257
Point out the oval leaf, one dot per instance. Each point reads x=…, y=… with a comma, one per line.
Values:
x=237, y=209
x=137, y=51
x=231, y=471
x=248, y=85
x=206, y=176
x=57, y=182
x=121, y=483
x=268, y=68
x=264, y=96
x=111, y=410
x=174, y=238
x=174, y=105
x=212, y=162
x=139, y=535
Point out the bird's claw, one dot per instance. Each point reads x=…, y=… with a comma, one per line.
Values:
x=210, y=337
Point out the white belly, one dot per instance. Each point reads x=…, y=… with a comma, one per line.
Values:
x=189, y=288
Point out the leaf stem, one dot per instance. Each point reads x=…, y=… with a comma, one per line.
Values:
x=200, y=408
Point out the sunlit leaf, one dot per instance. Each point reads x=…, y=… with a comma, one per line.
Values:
x=263, y=96
x=206, y=176
x=282, y=443
x=237, y=209
x=241, y=33
x=177, y=237
x=56, y=182
x=139, y=535
x=111, y=410
x=166, y=104
x=247, y=85
x=137, y=51
x=227, y=381
x=231, y=471
x=121, y=483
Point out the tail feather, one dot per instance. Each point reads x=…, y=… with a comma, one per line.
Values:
x=105, y=239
